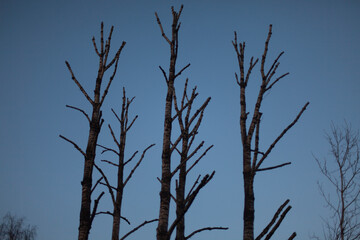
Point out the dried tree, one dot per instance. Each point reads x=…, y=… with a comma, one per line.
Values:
x=116, y=193
x=189, y=125
x=253, y=158
x=14, y=228
x=187, y=136
x=95, y=123
x=342, y=170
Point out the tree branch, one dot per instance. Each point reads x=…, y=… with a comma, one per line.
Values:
x=281, y=135
x=78, y=84
x=75, y=145
x=206, y=229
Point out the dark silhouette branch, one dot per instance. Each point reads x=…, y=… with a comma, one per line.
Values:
x=205, y=229
x=80, y=110
x=274, y=167
x=137, y=228
x=137, y=164
x=74, y=144
x=78, y=84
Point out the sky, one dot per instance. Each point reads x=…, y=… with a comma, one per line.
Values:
x=40, y=173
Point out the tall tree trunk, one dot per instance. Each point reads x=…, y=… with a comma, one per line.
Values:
x=86, y=215
x=249, y=198
x=120, y=183
x=162, y=229
x=85, y=219
x=180, y=191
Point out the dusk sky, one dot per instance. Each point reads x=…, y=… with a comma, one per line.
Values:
x=40, y=173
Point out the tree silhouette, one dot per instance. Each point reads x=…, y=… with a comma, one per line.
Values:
x=189, y=124
x=116, y=192
x=95, y=123
x=253, y=157
x=13, y=228
x=342, y=171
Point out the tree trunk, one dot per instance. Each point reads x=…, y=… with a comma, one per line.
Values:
x=85, y=222
x=180, y=191
x=249, y=198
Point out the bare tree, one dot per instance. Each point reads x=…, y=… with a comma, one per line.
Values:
x=116, y=193
x=342, y=171
x=186, y=137
x=189, y=124
x=14, y=228
x=253, y=157
x=95, y=123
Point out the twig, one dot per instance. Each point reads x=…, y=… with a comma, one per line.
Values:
x=137, y=164
x=206, y=229
x=80, y=110
x=274, y=167
x=78, y=84
x=75, y=145
x=138, y=227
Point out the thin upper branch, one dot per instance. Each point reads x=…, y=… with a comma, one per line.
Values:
x=137, y=228
x=281, y=135
x=107, y=184
x=205, y=229
x=80, y=110
x=137, y=164
x=78, y=84
x=75, y=145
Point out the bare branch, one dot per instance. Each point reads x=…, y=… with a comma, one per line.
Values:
x=292, y=236
x=131, y=158
x=96, y=50
x=75, y=145
x=116, y=58
x=78, y=84
x=132, y=122
x=273, y=220
x=107, y=183
x=179, y=73
x=111, y=163
x=272, y=84
x=164, y=73
x=113, y=135
x=206, y=229
x=278, y=223
x=97, y=182
x=80, y=110
x=197, y=160
x=137, y=164
x=107, y=149
x=281, y=135
x=137, y=228
x=161, y=28
x=274, y=167
x=96, y=203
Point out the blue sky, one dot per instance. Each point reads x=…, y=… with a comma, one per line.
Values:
x=40, y=173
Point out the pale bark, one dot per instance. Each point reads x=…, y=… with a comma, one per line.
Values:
x=117, y=192
x=162, y=229
x=95, y=123
x=251, y=164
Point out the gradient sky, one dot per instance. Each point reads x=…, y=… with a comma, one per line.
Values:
x=40, y=173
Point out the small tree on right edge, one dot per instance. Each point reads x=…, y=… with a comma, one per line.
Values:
x=342, y=170
x=253, y=157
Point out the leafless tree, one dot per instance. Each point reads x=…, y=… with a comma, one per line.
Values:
x=186, y=137
x=13, y=228
x=342, y=171
x=95, y=123
x=253, y=157
x=116, y=193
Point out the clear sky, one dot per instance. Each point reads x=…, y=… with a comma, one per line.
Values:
x=40, y=173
